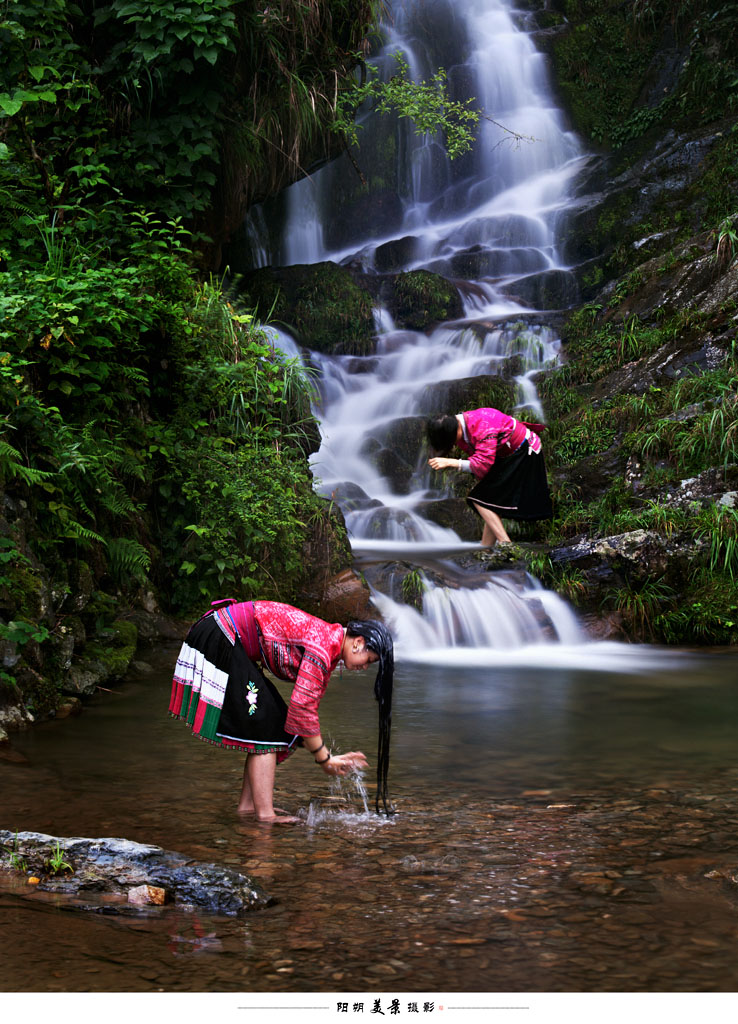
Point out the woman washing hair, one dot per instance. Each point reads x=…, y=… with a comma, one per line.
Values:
x=220, y=691
x=505, y=456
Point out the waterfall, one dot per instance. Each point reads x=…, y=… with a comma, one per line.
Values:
x=489, y=222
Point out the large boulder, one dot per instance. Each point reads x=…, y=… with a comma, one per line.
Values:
x=631, y=559
x=452, y=396
x=420, y=300
x=394, y=451
x=115, y=867
x=321, y=303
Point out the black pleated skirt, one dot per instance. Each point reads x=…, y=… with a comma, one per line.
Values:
x=515, y=487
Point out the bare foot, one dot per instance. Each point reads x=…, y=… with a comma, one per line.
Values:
x=279, y=819
x=250, y=810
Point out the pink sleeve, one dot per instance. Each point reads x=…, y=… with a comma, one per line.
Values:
x=485, y=427
x=312, y=679
x=483, y=456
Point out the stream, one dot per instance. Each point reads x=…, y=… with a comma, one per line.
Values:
x=566, y=809
x=559, y=830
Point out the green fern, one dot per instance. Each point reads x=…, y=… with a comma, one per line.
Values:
x=12, y=466
x=76, y=531
x=128, y=559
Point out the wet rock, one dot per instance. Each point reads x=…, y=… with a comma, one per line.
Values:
x=345, y=596
x=453, y=514
x=396, y=254
x=68, y=706
x=352, y=497
x=669, y=363
x=551, y=289
x=143, y=895
x=82, y=585
x=12, y=718
x=115, y=866
x=611, y=205
x=468, y=393
x=85, y=677
x=322, y=303
x=594, y=474
x=394, y=451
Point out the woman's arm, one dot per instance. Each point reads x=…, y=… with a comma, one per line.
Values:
x=441, y=463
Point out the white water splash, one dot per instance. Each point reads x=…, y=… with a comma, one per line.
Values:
x=348, y=805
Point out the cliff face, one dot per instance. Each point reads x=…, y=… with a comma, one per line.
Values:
x=289, y=63
x=644, y=415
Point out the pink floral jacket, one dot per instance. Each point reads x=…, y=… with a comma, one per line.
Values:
x=492, y=434
x=292, y=644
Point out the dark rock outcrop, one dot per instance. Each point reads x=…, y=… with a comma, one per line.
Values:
x=114, y=867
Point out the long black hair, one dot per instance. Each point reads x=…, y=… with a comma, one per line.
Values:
x=379, y=639
x=441, y=433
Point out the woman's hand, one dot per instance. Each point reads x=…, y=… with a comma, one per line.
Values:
x=439, y=463
x=342, y=764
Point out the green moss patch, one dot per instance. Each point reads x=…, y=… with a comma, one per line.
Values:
x=320, y=302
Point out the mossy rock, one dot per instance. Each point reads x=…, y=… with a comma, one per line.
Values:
x=420, y=299
x=321, y=303
x=106, y=657
x=28, y=592
x=482, y=392
x=38, y=693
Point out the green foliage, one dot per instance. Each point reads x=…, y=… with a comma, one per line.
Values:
x=706, y=613
x=593, y=434
x=423, y=299
x=21, y=632
x=56, y=864
x=147, y=422
x=427, y=104
x=727, y=241
x=15, y=860
x=600, y=64
x=128, y=559
x=641, y=605
x=246, y=533
x=603, y=64
x=719, y=525
x=594, y=350
x=695, y=434
x=413, y=587
x=331, y=312
x=127, y=106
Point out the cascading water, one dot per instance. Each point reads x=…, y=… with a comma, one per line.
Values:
x=489, y=222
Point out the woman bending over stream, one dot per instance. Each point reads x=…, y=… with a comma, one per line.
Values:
x=220, y=691
x=509, y=482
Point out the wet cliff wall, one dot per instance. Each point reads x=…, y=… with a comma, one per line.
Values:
x=644, y=415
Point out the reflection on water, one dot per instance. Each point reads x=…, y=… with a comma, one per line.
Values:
x=558, y=830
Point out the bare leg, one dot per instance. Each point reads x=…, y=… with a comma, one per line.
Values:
x=246, y=803
x=493, y=528
x=257, y=793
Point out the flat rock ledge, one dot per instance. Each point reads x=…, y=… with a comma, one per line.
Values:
x=119, y=868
